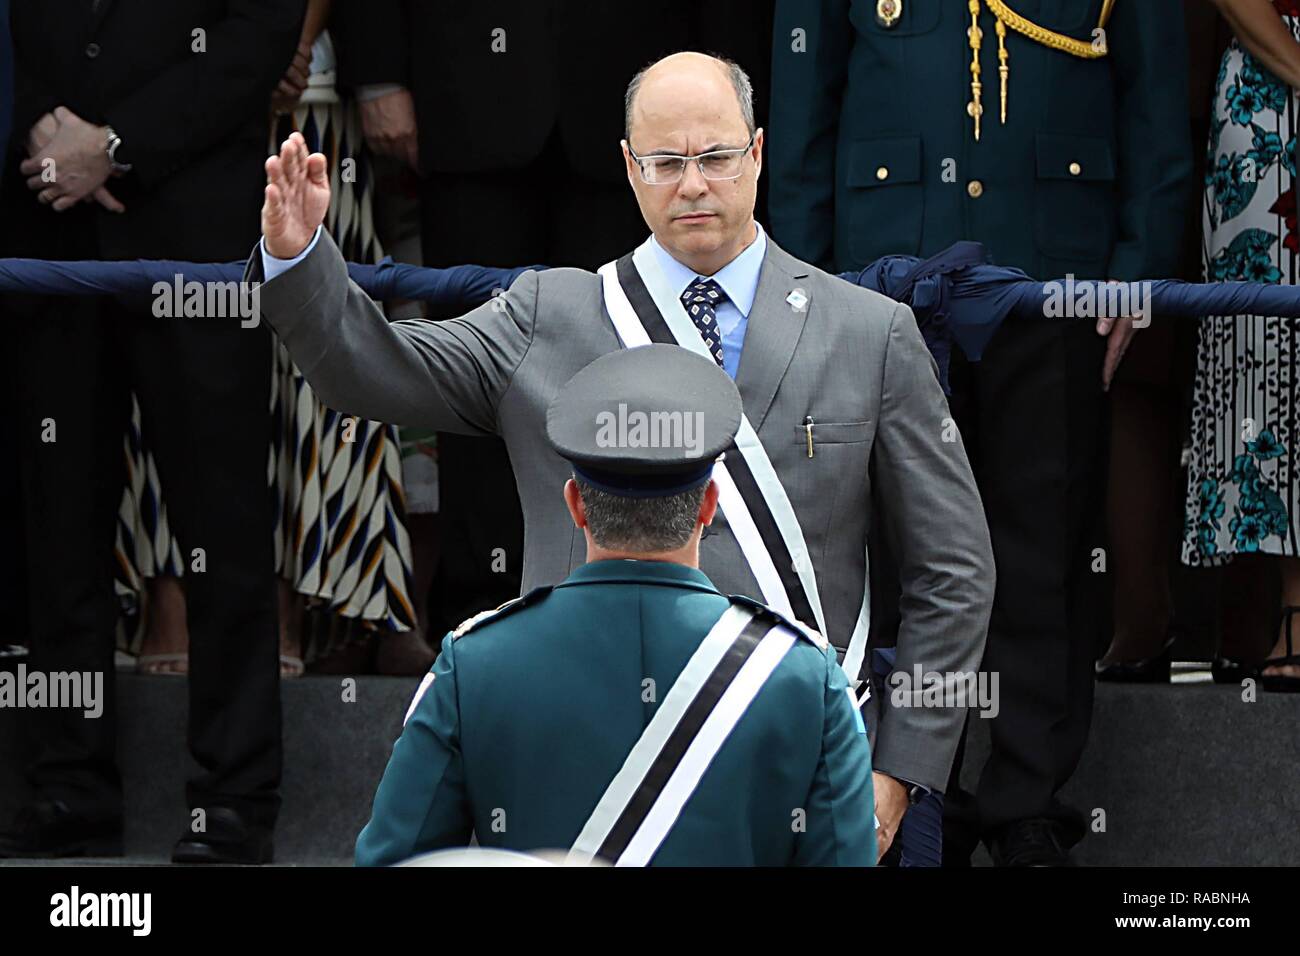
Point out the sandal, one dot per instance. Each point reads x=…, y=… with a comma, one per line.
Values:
x=150, y=665
x=1283, y=683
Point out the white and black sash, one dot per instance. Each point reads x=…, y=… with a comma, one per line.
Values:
x=644, y=310
x=713, y=691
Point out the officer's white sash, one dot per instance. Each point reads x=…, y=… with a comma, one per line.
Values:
x=713, y=691
x=643, y=310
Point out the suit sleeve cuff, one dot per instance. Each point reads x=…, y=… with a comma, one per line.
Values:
x=272, y=267
x=911, y=783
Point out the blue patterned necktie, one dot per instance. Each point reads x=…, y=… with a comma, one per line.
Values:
x=702, y=298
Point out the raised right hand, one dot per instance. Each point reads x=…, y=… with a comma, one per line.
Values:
x=296, y=199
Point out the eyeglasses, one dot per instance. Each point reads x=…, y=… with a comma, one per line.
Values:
x=664, y=170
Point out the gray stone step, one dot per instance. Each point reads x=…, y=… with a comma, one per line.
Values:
x=1186, y=774
x=335, y=752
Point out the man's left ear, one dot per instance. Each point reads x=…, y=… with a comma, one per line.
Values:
x=758, y=152
x=709, y=506
x=573, y=499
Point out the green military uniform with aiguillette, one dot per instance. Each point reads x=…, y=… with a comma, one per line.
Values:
x=1000, y=121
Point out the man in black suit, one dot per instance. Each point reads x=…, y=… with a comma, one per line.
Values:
x=511, y=113
x=140, y=131
x=13, y=595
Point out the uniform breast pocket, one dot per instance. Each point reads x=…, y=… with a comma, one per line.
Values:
x=886, y=196
x=1075, y=210
x=884, y=18
x=1073, y=17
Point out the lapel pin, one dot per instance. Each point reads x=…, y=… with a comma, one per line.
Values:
x=888, y=12
x=798, y=300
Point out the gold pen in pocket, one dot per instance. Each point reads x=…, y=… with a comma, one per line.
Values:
x=808, y=427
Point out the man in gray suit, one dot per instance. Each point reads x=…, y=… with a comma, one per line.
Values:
x=841, y=393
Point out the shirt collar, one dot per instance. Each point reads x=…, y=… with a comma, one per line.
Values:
x=738, y=278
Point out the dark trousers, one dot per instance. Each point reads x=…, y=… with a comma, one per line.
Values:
x=203, y=386
x=13, y=551
x=1031, y=416
x=543, y=214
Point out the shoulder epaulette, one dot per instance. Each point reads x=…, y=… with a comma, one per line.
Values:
x=515, y=604
x=803, y=630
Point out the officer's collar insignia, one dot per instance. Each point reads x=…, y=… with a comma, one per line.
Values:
x=888, y=12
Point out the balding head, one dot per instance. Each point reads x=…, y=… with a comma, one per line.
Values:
x=688, y=104
x=696, y=72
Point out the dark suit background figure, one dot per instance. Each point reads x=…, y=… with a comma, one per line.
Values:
x=13, y=594
x=1087, y=176
x=519, y=164
x=6, y=77
x=193, y=125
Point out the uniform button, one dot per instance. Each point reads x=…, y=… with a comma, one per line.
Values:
x=975, y=189
x=1075, y=169
x=882, y=173
x=92, y=50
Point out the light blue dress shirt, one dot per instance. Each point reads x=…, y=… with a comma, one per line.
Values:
x=738, y=279
x=272, y=267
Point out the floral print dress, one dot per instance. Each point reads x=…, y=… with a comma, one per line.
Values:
x=1243, y=479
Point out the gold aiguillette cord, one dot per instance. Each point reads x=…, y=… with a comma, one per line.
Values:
x=1008, y=18
x=975, y=108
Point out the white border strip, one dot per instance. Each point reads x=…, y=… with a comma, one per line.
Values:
x=717, y=727
x=857, y=649
x=769, y=484
x=666, y=718
x=419, y=695
x=633, y=334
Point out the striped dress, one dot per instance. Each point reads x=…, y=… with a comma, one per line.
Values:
x=340, y=515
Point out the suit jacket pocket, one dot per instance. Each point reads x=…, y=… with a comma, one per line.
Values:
x=835, y=433
x=886, y=197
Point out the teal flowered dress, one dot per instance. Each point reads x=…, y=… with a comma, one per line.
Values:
x=1243, y=478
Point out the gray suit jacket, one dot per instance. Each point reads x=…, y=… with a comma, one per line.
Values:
x=853, y=360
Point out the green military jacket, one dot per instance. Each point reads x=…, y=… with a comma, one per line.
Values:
x=872, y=152
x=533, y=710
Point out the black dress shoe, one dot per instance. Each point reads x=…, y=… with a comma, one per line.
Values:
x=1149, y=670
x=48, y=829
x=226, y=839
x=11, y=655
x=1034, y=842
x=1231, y=670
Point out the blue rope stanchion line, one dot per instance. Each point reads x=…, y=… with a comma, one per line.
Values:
x=957, y=295
x=459, y=285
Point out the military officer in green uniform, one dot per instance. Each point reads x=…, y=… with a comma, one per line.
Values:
x=632, y=713
x=1055, y=133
